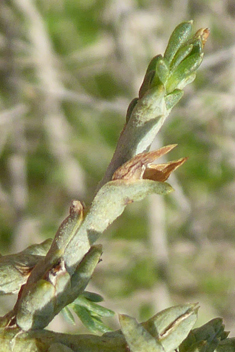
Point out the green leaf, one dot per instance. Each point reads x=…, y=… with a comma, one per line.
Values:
x=130, y=108
x=153, y=63
x=162, y=71
x=91, y=313
x=138, y=339
x=91, y=296
x=59, y=347
x=204, y=338
x=94, y=308
x=114, y=196
x=87, y=299
x=67, y=314
x=43, y=300
x=227, y=345
x=183, y=71
x=181, y=54
x=37, y=307
x=15, y=268
x=179, y=36
x=187, y=81
x=197, y=46
x=149, y=75
x=172, y=325
x=173, y=98
x=148, y=78
x=93, y=323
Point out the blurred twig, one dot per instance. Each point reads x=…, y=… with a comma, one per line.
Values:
x=17, y=159
x=56, y=125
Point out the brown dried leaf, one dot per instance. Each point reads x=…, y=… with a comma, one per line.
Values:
x=203, y=34
x=25, y=270
x=135, y=168
x=161, y=172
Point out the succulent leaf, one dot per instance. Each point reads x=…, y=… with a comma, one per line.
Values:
x=179, y=36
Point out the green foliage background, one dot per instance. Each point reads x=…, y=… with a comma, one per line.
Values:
x=68, y=70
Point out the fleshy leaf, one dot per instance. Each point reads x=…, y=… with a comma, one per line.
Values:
x=173, y=98
x=93, y=307
x=108, y=204
x=162, y=71
x=59, y=347
x=205, y=338
x=179, y=36
x=130, y=108
x=93, y=297
x=187, y=80
x=15, y=268
x=185, y=69
x=150, y=75
x=227, y=345
x=172, y=325
x=126, y=187
x=181, y=55
x=93, y=323
x=46, y=298
x=138, y=339
x=67, y=314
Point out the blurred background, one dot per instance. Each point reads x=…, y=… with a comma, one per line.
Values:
x=68, y=70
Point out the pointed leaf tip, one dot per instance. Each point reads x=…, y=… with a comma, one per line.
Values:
x=140, y=166
x=179, y=36
x=203, y=34
x=135, y=168
x=161, y=172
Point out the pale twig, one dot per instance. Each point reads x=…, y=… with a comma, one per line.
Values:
x=16, y=123
x=159, y=246
x=218, y=57
x=56, y=125
x=9, y=116
x=118, y=105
